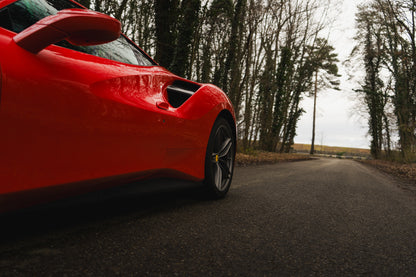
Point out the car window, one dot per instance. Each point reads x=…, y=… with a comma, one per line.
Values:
x=23, y=13
x=120, y=50
x=5, y=21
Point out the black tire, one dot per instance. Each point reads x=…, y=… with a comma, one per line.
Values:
x=219, y=159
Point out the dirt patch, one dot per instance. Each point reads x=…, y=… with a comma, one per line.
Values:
x=260, y=157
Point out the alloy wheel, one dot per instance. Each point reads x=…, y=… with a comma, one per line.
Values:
x=222, y=157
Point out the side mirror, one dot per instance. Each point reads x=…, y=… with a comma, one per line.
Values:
x=79, y=27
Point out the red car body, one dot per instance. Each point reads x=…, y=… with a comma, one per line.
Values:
x=71, y=122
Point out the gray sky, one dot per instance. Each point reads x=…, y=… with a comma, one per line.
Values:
x=338, y=123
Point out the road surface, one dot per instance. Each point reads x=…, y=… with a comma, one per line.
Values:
x=320, y=217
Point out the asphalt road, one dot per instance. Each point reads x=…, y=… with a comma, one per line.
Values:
x=321, y=217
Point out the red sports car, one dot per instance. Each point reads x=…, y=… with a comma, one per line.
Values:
x=82, y=108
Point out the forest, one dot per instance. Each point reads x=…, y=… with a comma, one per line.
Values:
x=386, y=49
x=268, y=55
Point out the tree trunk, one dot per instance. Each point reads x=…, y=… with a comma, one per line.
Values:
x=165, y=21
x=314, y=114
x=121, y=9
x=186, y=30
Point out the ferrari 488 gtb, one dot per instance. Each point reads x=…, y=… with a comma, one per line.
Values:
x=82, y=108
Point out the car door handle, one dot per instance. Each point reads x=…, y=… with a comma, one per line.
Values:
x=162, y=105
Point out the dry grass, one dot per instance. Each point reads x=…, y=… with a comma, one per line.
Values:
x=253, y=157
x=261, y=157
x=332, y=150
x=403, y=171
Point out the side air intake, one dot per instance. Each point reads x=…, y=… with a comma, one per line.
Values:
x=180, y=91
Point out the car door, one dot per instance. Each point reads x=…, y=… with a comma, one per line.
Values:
x=68, y=116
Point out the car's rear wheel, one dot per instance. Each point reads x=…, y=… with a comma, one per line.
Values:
x=219, y=159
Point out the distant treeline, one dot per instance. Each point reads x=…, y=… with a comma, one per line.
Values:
x=266, y=55
x=386, y=46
